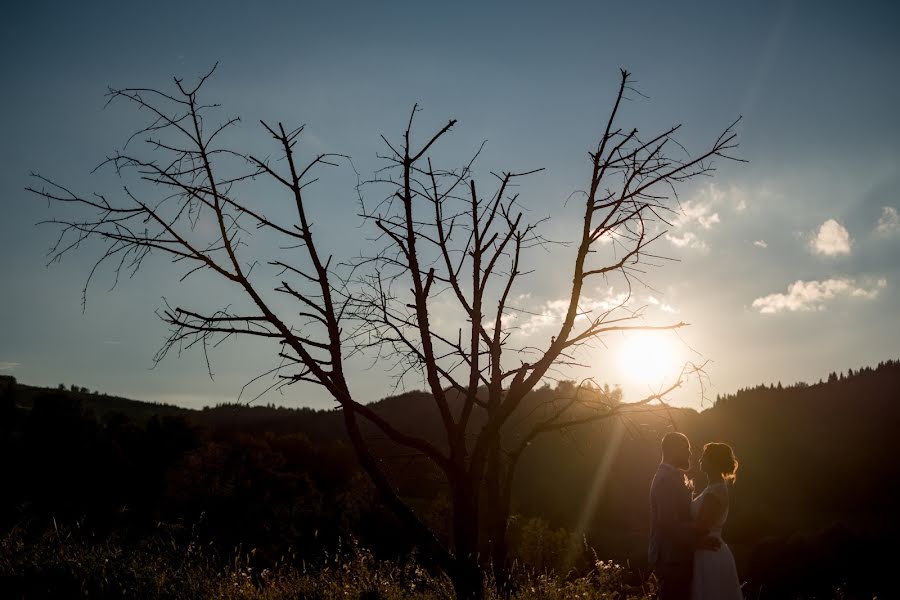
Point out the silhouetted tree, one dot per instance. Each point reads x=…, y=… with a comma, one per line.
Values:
x=442, y=234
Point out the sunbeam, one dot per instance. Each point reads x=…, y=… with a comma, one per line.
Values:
x=596, y=490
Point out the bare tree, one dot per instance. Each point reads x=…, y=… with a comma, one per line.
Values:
x=439, y=235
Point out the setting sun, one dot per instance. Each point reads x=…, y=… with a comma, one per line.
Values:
x=651, y=357
x=311, y=306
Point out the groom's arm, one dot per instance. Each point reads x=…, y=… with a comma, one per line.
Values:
x=670, y=522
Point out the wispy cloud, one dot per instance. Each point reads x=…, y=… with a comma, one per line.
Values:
x=505, y=321
x=552, y=312
x=889, y=222
x=761, y=244
x=832, y=239
x=697, y=211
x=708, y=221
x=8, y=366
x=611, y=236
x=813, y=295
x=688, y=239
x=702, y=213
x=661, y=305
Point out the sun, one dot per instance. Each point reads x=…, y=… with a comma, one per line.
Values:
x=652, y=358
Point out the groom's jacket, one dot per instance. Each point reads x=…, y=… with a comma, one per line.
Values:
x=671, y=532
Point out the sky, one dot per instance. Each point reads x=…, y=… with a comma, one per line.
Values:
x=788, y=265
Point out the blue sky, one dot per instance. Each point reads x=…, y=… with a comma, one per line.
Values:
x=789, y=264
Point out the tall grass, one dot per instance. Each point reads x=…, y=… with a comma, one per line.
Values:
x=69, y=564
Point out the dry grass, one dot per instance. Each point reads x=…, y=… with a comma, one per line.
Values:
x=66, y=565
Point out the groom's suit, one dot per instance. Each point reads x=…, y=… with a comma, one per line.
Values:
x=672, y=538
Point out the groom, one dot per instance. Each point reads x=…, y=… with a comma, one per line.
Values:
x=673, y=535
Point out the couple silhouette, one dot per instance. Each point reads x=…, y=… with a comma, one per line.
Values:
x=686, y=550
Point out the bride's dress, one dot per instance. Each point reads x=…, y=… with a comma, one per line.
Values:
x=715, y=575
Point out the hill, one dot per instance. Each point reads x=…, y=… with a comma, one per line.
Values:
x=99, y=403
x=813, y=490
x=834, y=433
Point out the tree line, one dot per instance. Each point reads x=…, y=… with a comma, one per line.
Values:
x=287, y=481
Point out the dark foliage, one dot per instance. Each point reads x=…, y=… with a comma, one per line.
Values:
x=812, y=510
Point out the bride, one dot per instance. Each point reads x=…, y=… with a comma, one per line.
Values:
x=715, y=575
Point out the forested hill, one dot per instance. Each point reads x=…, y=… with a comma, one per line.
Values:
x=814, y=450
x=810, y=455
x=101, y=404
x=814, y=458
x=868, y=392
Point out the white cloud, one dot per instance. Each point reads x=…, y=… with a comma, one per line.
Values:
x=832, y=239
x=761, y=244
x=687, y=240
x=889, y=222
x=609, y=237
x=812, y=295
x=702, y=213
x=506, y=320
x=553, y=311
x=697, y=211
x=661, y=305
x=707, y=201
x=871, y=293
x=7, y=366
x=707, y=222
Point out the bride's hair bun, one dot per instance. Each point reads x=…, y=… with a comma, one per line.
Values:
x=721, y=458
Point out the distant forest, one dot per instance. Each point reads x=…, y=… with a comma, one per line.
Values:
x=813, y=508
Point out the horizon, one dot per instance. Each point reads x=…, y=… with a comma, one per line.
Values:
x=824, y=380
x=788, y=265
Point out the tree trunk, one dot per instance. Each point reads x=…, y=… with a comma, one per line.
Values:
x=468, y=579
x=497, y=519
x=466, y=575
x=500, y=556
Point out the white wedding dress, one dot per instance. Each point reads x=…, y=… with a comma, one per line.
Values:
x=715, y=575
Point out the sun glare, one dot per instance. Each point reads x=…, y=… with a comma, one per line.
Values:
x=651, y=358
